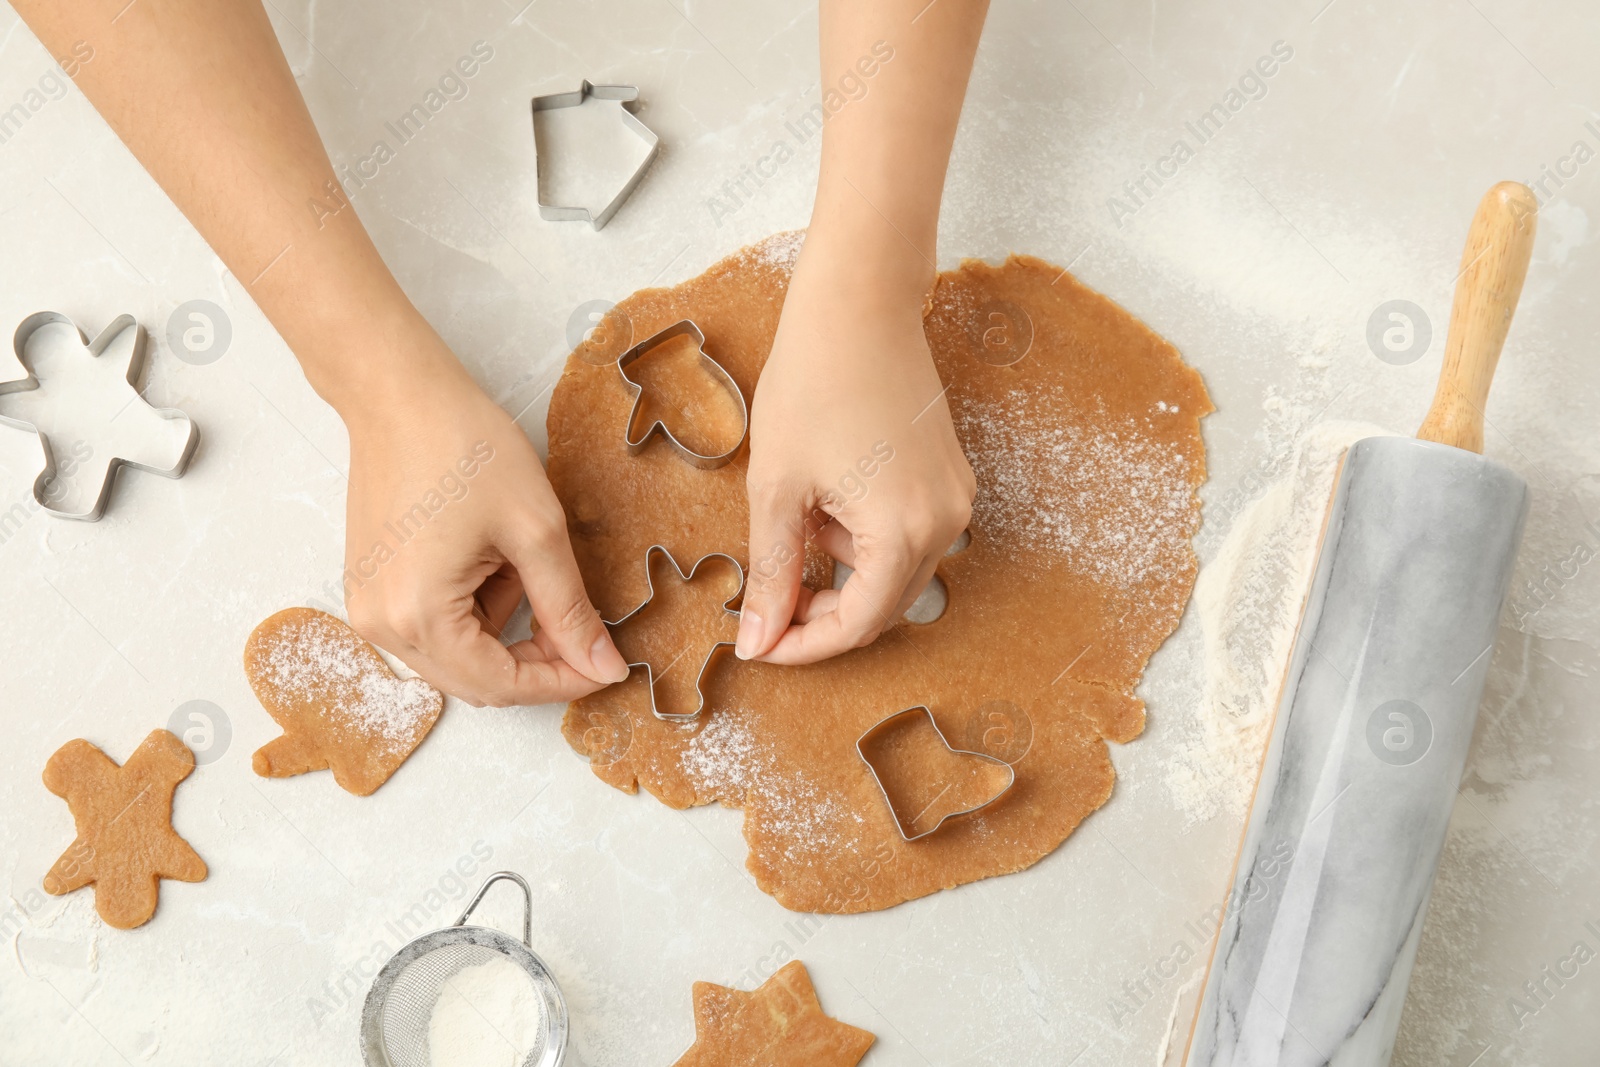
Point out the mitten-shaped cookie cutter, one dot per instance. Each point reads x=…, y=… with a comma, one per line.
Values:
x=922, y=709
x=135, y=364
x=711, y=654
x=625, y=95
x=682, y=328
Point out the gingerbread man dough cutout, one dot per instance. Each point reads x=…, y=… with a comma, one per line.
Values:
x=125, y=843
x=781, y=1024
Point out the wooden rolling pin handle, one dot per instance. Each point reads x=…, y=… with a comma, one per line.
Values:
x=1493, y=266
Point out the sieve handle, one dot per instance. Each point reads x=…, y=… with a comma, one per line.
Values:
x=527, y=902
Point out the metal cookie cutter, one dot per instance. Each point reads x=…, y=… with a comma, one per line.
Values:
x=625, y=95
x=683, y=328
x=922, y=709
x=711, y=654
x=398, y=1012
x=95, y=348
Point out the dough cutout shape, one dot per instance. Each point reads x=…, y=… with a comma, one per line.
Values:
x=781, y=1024
x=340, y=706
x=125, y=843
x=924, y=779
x=1083, y=430
x=684, y=630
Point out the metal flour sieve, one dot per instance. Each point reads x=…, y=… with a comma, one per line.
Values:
x=399, y=1008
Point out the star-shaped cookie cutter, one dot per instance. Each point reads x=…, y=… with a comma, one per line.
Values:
x=135, y=364
x=625, y=95
x=682, y=328
x=711, y=655
x=922, y=709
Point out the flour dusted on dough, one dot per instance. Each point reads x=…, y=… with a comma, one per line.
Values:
x=724, y=758
x=1084, y=431
x=487, y=1015
x=312, y=659
x=340, y=705
x=1058, y=505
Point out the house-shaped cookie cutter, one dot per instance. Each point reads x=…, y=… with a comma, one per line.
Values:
x=625, y=95
x=712, y=654
x=922, y=709
x=135, y=366
x=682, y=328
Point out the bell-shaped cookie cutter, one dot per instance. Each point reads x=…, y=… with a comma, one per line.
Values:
x=625, y=95
x=915, y=709
x=711, y=654
x=25, y=330
x=682, y=328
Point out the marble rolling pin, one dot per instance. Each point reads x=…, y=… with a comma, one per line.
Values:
x=1369, y=741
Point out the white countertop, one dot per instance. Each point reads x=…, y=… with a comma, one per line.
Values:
x=1348, y=182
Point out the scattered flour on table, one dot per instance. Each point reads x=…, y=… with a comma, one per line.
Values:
x=487, y=1015
x=1249, y=600
x=315, y=661
x=1044, y=487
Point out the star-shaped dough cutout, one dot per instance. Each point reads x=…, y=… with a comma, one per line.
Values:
x=780, y=1024
x=125, y=841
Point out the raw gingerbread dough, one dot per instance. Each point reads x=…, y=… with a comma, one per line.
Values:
x=1083, y=429
x=339, y=704
x=779, y=1025
x=125, y=843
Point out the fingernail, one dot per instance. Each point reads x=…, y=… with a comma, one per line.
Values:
x=749, y=634
x=607, y=660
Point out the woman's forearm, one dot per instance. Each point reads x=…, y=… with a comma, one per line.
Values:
x=201, y=93
x=884, y=153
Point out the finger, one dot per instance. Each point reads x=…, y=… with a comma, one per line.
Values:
x=444, y=640
x=777, y=561
x=864, y=608
x=499, y=597
x=814, y=605
x=561, y=605
x=919, y=581
x=484, y=671
x=835, y=540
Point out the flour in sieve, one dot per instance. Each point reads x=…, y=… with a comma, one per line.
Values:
x=487, y=1015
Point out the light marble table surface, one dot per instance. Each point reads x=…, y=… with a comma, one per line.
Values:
x=1341, y=183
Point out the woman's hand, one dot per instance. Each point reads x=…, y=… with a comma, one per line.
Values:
x=850, y=435
x=450, y=519
x=850, y=443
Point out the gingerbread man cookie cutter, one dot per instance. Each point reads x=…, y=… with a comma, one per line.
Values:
x=626, y=96
x=682, y=328
x=135, y=365
x=712, y=654
x=922, y=709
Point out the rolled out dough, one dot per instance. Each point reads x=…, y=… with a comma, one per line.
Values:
x=1083, y=429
